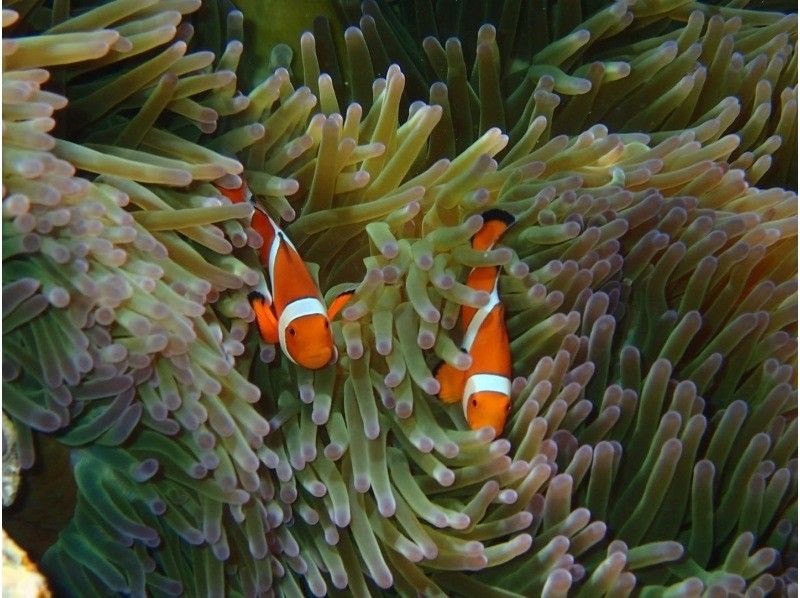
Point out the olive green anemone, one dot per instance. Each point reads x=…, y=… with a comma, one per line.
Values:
x=649, y=283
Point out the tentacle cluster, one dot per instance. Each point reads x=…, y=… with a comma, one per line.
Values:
x=649, y=67
x=650, y=289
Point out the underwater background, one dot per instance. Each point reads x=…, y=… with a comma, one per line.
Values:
x=155, y=445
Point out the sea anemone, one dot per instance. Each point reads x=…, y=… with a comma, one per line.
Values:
x=634, y=66
x=649, y=286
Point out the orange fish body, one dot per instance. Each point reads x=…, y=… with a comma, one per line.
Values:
x=484, y=389
x=290, y=312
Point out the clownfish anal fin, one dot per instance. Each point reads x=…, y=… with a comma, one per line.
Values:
x=338, y=303
x=265, y=318
x=451, y=381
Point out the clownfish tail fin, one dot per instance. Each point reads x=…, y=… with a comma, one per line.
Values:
x=495, y=223
x=451, y=382
x=339, y=302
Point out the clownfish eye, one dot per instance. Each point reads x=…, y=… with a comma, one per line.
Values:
x=508, y=407
x=474, y=402
x=292, y=331
x=327, y=325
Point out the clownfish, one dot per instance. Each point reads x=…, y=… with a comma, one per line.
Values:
x=485, y=388
x=290, y=311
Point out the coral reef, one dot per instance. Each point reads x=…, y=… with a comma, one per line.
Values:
x=649, y=283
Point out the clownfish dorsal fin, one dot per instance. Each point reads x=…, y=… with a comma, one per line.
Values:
x=259, y=209
x=451, y=382
x=238, y=194
x=495, y=223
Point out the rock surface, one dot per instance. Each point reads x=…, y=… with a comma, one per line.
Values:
x=10, y=462
x=21, y=578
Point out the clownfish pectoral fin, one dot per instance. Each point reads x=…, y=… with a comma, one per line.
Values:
x=451, y=381
x=265, y=318
x=338, y=303
x=495, y=223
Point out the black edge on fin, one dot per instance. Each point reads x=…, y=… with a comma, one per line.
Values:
x=258, y=206
x=498, y=214
x=437, y=367
x=350, y=292
x=253, y=295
